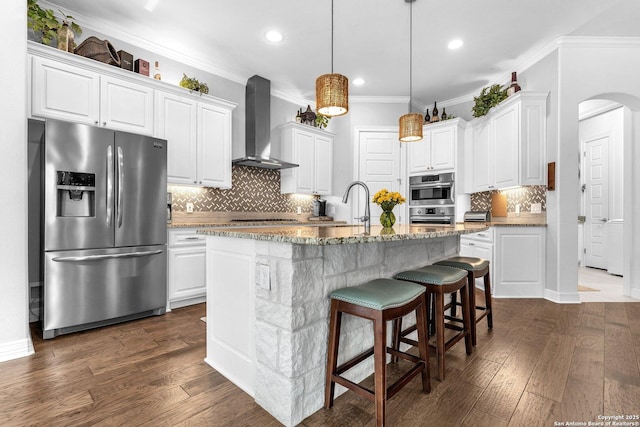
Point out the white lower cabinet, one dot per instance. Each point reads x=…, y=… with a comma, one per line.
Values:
x=517, y=256
x=519, y=262
x=479, y=245
x=187, y=253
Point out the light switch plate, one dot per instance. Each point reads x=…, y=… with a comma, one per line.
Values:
x=536, y=208
x=262, y=276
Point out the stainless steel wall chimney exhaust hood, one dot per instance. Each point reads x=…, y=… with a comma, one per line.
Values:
x=258, y=127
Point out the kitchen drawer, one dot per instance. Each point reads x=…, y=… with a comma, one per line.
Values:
x=185, y=237
x=481, y=236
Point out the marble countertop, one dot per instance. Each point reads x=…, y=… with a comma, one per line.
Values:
x=252, y=223
x=343, y=234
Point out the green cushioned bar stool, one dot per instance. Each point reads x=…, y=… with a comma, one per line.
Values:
x=475, y=268
x=379, y=300
x=439, y=281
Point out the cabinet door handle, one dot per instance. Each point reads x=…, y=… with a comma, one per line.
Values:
x=192, y=238
x=471, y=244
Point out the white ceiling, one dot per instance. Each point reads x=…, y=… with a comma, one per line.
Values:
x=371, y=38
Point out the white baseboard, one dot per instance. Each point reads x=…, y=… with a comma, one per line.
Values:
x=562, y=297
x=186, y=302
x=635, y=293
x=16, y=349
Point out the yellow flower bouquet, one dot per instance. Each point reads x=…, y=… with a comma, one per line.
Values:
x=387, y=200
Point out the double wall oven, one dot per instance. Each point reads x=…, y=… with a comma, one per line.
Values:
x=432, y=199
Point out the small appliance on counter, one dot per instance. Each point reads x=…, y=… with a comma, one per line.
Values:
x=477, y=216
x=169, y=203
x=320, y=211
x=319, y=207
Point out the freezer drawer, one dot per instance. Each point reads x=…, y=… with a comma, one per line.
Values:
x=89, y=288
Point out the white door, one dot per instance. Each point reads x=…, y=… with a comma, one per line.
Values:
x=596, y=168
x=379, y=167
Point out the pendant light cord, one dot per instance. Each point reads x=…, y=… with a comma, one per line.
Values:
x=410, y=52
x=331, y=36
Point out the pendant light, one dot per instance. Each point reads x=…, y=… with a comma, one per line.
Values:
x=411, y=123
x=332, y=90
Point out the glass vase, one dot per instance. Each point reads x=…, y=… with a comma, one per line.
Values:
x=387, y=218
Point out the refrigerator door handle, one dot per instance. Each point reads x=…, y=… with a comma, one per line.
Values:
x=109, y=185
x=107, y=256
x=120, y=185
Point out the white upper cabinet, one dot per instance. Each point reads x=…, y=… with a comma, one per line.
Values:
x=509, y=144
x=214, y=145
x=312, y=150
x=80, y=90
x=437, y=149
x=176, y=121
x=198, y=135
x=126, y=106
x=67, y=92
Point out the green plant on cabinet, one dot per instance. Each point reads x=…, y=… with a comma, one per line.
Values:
x=488, y=98
x=44, y=23
x=193, y=84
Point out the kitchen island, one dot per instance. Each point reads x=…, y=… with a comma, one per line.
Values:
x=267, y=305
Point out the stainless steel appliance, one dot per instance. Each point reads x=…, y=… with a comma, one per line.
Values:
x=432, y=190
x=435, y=215
x=477, y=216
x=257, y=147
x=102, y=225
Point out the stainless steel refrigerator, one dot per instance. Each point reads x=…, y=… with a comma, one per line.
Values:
x=102, y=224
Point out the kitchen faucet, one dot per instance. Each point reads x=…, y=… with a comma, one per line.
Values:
x=367, y=213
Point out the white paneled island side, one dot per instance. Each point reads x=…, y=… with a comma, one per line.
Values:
x=268, y=305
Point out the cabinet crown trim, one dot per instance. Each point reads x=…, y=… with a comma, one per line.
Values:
x=48, y=52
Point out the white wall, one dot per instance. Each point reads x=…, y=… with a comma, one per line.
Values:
x=14, y=317
x=603, y=69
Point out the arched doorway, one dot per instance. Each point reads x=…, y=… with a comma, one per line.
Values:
x=625, y=203
x=602, y=133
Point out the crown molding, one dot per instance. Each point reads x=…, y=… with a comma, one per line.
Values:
x=380, y=99
x=121, y=34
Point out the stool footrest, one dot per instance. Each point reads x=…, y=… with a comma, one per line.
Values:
x=402, y=381
x=393, y=388
x=353, y=362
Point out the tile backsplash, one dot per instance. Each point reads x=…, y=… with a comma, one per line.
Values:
x=524, y=196
x=254, y=190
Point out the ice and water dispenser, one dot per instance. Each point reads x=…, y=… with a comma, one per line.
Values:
x=76, y=194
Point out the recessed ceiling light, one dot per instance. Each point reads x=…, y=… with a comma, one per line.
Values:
x=455, y=44
x=274, y=36
x=358, y=81
x=151, y=5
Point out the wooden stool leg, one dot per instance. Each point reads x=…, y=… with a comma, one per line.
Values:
x=466, y=318
x=332, y=353
x=471, y=285
x=487, y=298
x=423, y=345
x=439, y=320
x=397, y=334
x=380, y=364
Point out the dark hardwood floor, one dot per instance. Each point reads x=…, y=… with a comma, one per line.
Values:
x=542, y=363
